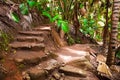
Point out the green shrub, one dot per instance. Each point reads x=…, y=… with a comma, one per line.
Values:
x=4, y=41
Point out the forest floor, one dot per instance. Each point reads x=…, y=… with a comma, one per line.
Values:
x=35, y=56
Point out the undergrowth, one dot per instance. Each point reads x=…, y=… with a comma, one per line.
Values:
x=4, y=41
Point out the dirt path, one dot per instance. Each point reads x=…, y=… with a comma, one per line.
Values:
x=34, y=57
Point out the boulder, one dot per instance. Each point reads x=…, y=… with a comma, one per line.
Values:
x=73, y=71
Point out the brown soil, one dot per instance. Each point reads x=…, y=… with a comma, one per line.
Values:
x=10, y=66
x=14, y=72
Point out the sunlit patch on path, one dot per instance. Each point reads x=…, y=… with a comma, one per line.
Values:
x=67, y=54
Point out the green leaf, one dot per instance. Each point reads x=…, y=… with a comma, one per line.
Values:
x=15, y=17
x=85, y=21
x=81, y=5
x=45, y=13
x=47, y=9
x=55, y=17
x=32, y=3
x=38, y=4
x=118, y=54
x=65, y=27
x=59, y=23
x=24, y=9
x=21, y=6
x=92, y=21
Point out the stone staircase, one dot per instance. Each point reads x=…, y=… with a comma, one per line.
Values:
x=29, y=52
x=29, y=46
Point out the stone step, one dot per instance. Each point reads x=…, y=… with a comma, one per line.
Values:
x=29, y=39
x=27, y=46
x=42, y=28
x=66, y=72
x=31, y=33
x=29, y=57
x=73, y=71
x=40, y=71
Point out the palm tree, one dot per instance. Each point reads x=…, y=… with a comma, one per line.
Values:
x=114, y=32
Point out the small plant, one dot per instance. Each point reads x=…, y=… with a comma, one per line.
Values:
x=70, y=40
x=21, y=66
x=4, y=41
x=14, y=17
x=24, y=9
x=118, y=52
x=90, y=27
x=59, y=21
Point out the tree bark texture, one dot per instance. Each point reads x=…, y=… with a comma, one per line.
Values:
x=75, y=18
x=105, y=30
x=114, y=33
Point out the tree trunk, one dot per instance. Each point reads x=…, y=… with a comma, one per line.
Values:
x=75, y=18
x=105, y=30
x=114, y=33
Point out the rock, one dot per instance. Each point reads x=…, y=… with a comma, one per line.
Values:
x=31, y=33
x=27, y=46
x=61, y=78
x=52, y=64
x=19, y=60
x=71, y=78
x=104, y=69
x=41, y=28
x=91, y=76
x=52, y=78
x=37, y=74
x=29, y=57
x=68, y=54
x=82, y=63
x=3, y=72
x=73, y=71
x=26, y=76
x=101, y=58
x=56, y=76
x=1, y=56
x=40, y=71
x=115, y=68
x=29, y=39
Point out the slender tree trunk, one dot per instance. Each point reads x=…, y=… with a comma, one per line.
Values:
x=75, y=18
x=105, y=30
x=114, y=33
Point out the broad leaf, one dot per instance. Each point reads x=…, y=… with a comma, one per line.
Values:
x=24, y=9
x=47, y=9
x=85, y=21
x=32, y=3
x=55, y=17
x=65, y=27
x=59, y=23
x=45, y=13
x=15, y=17
x=81, y=5
x=21, y=6
x=38, y=4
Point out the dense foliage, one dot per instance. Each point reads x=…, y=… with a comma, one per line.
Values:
x=92, y=15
